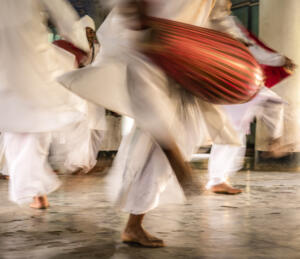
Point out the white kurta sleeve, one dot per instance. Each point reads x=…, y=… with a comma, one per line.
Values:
x=267, y=57
x=221, y=20
x=67, y=22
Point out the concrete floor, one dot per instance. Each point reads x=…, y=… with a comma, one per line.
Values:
x=263, y=222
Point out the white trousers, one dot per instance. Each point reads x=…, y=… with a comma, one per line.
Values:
x=30, y=174
x=75, y=148
x=225, y=160
x=141, y=177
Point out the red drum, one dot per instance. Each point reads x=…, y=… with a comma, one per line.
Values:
x=68, y=46
x=210, y=64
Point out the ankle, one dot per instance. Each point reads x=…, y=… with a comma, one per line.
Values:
x=134, y=222
x=133, y=228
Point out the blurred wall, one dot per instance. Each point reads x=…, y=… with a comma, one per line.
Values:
x=279, y=27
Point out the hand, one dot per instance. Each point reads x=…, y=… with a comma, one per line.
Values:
x=289, y=66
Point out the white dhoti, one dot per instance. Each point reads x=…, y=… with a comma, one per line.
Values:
x=140, y=174
x=123, y=80
x=75, y=147
x=27, y=163
x=34, y=106
x=225, y=160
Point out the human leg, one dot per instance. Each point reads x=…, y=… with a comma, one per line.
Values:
x=144, y=176
x=27, y=161
x=223, y=162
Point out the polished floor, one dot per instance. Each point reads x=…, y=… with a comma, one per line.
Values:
x=263, y=222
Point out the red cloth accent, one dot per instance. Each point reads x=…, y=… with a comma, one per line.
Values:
x=273, y=75
x=68, y=46
x=210, y=64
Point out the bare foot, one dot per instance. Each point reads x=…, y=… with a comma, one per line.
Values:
x=277, y=150
x=40, y=202
x=225, y=188
x=141, y=237
x=276, y=154
x=4, y=177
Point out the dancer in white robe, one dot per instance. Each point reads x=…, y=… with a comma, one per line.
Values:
x=75, y=149
x=33, y=105
x=225, y=160
x=135, y=87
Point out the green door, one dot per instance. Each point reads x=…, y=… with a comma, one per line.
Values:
x=247, y=12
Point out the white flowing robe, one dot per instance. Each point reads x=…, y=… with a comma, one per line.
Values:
x=127, y=82
x=105, y=82
x=30, y=99
x=40, y=112
x=225, y=160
